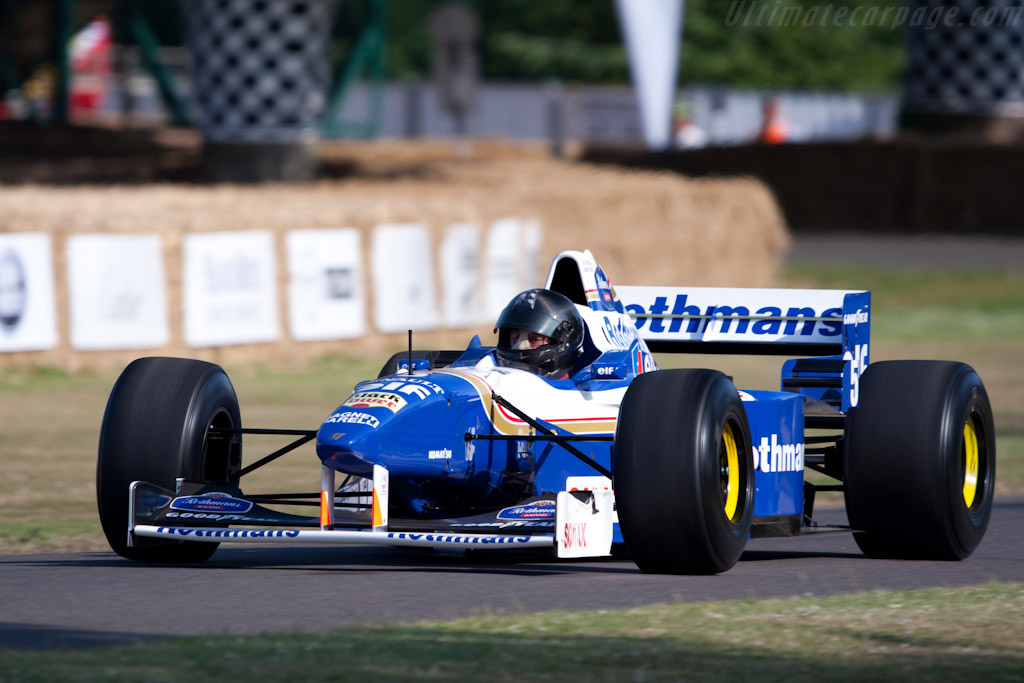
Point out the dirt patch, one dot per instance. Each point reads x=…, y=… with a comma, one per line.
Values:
x=645, y=227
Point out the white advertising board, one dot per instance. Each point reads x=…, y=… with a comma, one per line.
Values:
x=460, y=268
x=403, y=278
x=117, y=292
x=326, y=298
x=230, y=288
x=28, y=317
x=504, y=267
x=533, y=242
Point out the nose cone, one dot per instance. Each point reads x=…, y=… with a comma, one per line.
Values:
x=414, y=426
x=392, y=422
x=341, y=441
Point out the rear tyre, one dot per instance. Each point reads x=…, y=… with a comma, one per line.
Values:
x=920, y=461
x=155, y=429
x=684, y=472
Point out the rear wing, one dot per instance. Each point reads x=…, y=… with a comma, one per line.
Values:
x=814, y=322
x=831, y=323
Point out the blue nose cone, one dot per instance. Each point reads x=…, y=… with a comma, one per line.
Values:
x=414, y=426
x=353, y=434
x=342, y=440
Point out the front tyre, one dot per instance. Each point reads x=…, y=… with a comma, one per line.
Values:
x=684, y=472
x=920, y=462
x=155, y=429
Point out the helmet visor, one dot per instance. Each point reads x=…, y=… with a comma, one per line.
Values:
x=532, y=320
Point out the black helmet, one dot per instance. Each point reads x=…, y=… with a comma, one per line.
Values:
x=543, y=312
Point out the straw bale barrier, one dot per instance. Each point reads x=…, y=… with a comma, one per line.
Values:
x=644, y=227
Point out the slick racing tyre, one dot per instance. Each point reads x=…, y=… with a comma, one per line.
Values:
x=920, y=461
x=684, y=472
x=155, y=429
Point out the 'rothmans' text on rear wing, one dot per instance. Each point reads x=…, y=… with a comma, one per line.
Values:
x=807, y=322
x=756, y=321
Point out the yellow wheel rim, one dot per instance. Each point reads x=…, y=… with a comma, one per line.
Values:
x=729, y=460
x=970, y=462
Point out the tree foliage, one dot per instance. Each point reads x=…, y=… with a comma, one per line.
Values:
x=724, y=42
x=728, y=42
x=793, y=44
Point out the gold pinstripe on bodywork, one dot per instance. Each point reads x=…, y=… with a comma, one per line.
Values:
x=506, y=423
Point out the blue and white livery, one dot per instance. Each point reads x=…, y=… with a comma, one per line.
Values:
x=451, y=449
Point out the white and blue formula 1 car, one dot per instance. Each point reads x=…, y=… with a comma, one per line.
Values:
x=678, y=468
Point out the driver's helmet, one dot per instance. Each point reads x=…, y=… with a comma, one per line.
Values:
x=540, y=331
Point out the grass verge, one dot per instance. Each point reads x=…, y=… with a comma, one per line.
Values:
x=951, y=634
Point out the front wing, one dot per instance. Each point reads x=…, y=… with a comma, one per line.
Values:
x=575, y=523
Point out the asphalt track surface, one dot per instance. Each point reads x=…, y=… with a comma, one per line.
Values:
x=95, y=599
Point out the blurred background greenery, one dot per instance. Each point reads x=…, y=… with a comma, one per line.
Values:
x=524, y=40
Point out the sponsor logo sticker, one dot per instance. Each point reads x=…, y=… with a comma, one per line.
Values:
x=413, y=387
x=376, y=399
x=211, y=502
x=574, y=535
x=468, y=540
x=774, y=456
x=686, y=316
x=352, y=417
x=541, y=509
x=619, y=333
x=860, y=316
x=230, y=533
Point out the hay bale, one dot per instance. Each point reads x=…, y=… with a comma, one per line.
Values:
x=645, y=228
